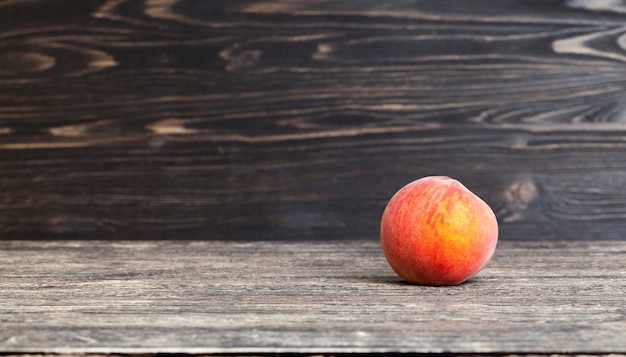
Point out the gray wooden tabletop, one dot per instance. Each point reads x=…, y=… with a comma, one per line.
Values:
x=304, y=297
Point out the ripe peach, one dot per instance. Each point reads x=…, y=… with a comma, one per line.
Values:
x=434, y=231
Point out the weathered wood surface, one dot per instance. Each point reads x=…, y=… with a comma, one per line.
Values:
x=298, y=119
x=310, y=297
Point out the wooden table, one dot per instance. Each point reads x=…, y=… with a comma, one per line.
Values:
x=306, y=297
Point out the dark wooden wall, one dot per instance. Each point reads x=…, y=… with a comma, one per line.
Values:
x=283, y=119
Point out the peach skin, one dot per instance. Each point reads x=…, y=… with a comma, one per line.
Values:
x=434, y=231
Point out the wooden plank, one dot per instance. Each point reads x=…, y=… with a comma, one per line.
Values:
x=308, y=297
x=321, y=355
x=299, y=119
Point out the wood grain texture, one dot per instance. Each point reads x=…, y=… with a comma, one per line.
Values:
x=299, y=119
x=307, y=297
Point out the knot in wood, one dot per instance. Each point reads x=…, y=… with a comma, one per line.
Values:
x=518, y=198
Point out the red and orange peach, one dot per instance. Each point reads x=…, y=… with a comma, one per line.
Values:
x=435, y=231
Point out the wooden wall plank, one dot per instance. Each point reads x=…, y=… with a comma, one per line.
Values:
x=298, y=120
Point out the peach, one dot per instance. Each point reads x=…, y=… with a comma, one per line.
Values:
x=435, y=231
